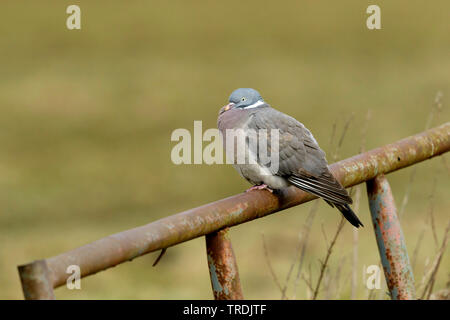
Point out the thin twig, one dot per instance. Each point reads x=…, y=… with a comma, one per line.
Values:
x=431, y=274
x=304, y=239
x=362, y=148
x=416, y=249
x=163, y=251
x=333, y=135
x=407, y=192
x=324, y=235
x=446, y=166
x=338, y=277
x=327, y=284
x=325, y=262
x=310, y=292
x=371, y=294
x=341, y=139
x=272, y=272
x=364, y=130
x=430, y=212
x=291, y=268
x=307, y=282
x=354, y=281
x=436, y=108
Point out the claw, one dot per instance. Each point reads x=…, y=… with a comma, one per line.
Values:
x=260, y=187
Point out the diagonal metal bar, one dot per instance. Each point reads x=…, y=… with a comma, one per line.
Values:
x=390, y=240
x=127, y=245
x=36, y=284
x=223, y=269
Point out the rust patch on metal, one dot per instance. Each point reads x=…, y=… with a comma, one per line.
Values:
x=222, y=266
x=36, y=284
x=124, y=246
x=390, y=240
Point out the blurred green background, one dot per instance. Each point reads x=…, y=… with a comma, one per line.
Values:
x=86, y=118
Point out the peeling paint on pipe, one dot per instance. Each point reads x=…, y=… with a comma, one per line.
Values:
x=390, y=240
x=223, y=269
x=124, y=246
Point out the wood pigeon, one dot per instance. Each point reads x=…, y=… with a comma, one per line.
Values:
x=301, y=162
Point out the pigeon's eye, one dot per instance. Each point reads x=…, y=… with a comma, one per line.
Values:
x=243, y=99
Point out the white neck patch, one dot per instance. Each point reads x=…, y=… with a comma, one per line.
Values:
x=256, y=104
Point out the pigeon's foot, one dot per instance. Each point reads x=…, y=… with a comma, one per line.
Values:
x=260, y=187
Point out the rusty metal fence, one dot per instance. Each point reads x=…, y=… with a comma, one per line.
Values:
x=40, y=277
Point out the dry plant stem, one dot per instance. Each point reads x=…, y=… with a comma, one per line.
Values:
x=338, y=277
x=371, y=294
x=300, y=248
x=416, y=249
x=163, y=251
x=324, y=235
x=341, y=139
x=436, y=108
x=354, y=281
x=431, y=274
x=446, y=166
x=291, y=268
x=325, y=262
x=422, y=231
x=307, y=282
x=310, y=292
x=327, y=283
x=407, y=192
x=272, y=272
x=364, y=131
x=432, y=223
x=333, y=134
x=341, y=224
x=304, y=239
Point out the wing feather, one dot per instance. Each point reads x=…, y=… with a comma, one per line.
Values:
x=301, y=161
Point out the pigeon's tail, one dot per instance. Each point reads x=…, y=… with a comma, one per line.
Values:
x=348, y=214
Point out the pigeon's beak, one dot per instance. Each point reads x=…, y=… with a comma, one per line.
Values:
x=227, y=107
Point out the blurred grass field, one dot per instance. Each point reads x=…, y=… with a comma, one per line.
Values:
x=86, y=118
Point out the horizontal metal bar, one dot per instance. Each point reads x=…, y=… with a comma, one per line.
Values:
x=118, y=248
x=223, y=269
x=390, y=240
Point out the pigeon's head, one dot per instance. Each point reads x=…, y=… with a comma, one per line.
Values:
x=244, y=98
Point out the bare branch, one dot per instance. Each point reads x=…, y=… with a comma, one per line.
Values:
x=163, y=251
x=324, y=235
x=341, y=139
x=354, y=281
x=430, y=212
x=272, y=272
x=338, y=276
x=329, y=251
x=436, y=108
x=446, y=166
x=362, y=148
x=304, y=240
x=307, y=282
x=416, y=249
x=431, y=274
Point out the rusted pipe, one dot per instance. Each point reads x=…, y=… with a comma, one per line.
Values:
x=390, y=240
x=118, y=248
x=36, y=284
x=223, y=269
